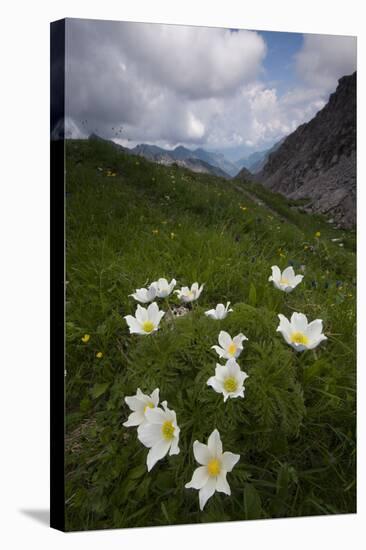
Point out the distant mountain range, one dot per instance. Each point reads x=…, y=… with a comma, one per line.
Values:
x=256, y=161
x=318, y=160
x=198, y=160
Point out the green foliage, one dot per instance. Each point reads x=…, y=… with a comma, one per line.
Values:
x=295, y=428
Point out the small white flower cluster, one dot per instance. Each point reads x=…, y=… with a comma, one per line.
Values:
x=157, y=427
x=229, y=378
x=147, y=320
x=298, y=332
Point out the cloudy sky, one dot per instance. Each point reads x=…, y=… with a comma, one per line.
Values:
x=223, y=89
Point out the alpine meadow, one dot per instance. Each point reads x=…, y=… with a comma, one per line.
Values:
x=290, y=436
x=203, y=185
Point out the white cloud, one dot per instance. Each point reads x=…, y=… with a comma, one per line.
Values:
x=154, y=79
x=197, y=62
x=191, y=85
x=323, y=59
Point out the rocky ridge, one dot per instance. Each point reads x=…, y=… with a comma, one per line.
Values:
x=318, y=160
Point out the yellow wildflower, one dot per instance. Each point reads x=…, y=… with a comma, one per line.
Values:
x=99, y=355
x=317, y=234
x=86, y=338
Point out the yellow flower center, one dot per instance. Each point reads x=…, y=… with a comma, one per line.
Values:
x=147, y=326
x=167, y=430
x=214, y=467
x=299, y=338
x=232, y=348
x=230, y=384
x=150, y=405
x=284, y=281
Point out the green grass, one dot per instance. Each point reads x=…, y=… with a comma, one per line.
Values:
x=295, y=429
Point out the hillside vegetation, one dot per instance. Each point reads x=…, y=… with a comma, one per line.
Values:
x=130, y=222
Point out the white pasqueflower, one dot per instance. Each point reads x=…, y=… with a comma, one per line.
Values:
x=300, y=334
x=285, y=281
x=220, y=311
x=160, y=434
x=163, y=288
x=211, y=475
x=228, y=379
x=145, y=295
x=187, y=294
x=230, y=347
x=145, y=321
x=139, y=404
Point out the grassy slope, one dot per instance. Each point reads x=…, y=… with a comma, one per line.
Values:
x=294, y=430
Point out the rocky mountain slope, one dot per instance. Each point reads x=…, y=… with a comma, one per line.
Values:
x=318, y=160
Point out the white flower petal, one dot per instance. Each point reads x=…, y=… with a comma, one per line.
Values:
x=229, y=460
x=211, y=313
x=135, y=419
x=288, y=273
x=141, y=314
x=276, y=273
x=232, y=368
x=153, y=312
x=221, y=483
x=220, y=311
x=155, y=397
x=133, y=324
x=157, y=452
x=174, y=448
x=242, y=376
x=201, y=453
x=227, y=309
x=133, y=402
x=156, y=416
x=284, y=327
x=224, y=339
x=314, y=329
x=220, y=371
x=299, y=322
x=214, y=444
x=215, y=384
x=198, y=293
x=159, y=317
x=297, y=279
x=207, y=491
x=149, y=434
x=220, y=352
x=199, y=478
x=239, y=339
x=316, y=342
